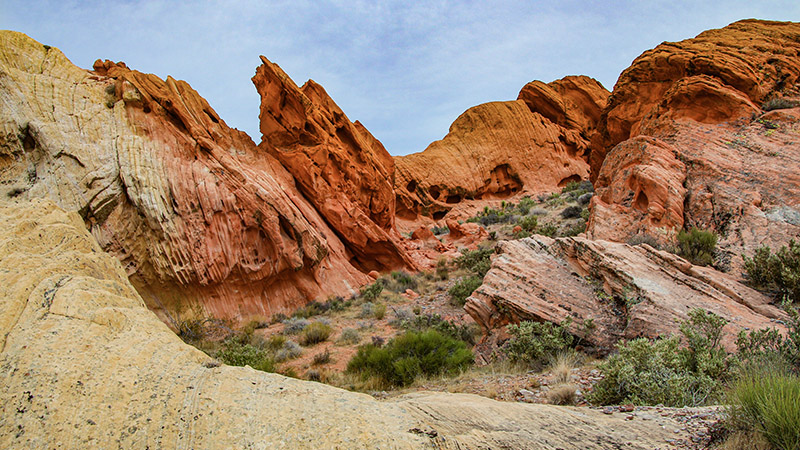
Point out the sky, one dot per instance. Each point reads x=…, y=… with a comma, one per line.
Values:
x=405, y=69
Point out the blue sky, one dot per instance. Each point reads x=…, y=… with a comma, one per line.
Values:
x=404, y=69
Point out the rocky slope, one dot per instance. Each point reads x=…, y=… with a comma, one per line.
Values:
x=202, y=219
x=86, y=365
x=684, y=142
x=534, y=144
x=611, y=291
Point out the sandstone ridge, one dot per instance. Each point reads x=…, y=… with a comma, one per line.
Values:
x=87, y=365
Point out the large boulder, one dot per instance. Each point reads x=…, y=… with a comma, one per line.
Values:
x=684, y=142
x=537, y=143
x=610, y=291
x=87, y=365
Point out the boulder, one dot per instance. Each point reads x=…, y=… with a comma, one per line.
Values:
x=610, y=291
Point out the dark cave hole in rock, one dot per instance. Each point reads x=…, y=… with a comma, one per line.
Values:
x=641, y=201
x=435, y=192
x=411, y=186
x=571, y=178
x=451, y=199
x=439, y=215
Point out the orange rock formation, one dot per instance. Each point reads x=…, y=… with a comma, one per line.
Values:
x=684, y=142
x=536, y=143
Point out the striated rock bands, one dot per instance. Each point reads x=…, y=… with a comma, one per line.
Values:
x=339, y=166
x=86, y=365
x=495, y=150
x=683, y=141
x=622, y=291
x=200, y=217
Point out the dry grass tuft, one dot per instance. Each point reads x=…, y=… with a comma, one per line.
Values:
x=561, y=366
x=562, y=394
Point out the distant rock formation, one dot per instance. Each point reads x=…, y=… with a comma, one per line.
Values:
x=537, y=143
x=684, y=142
x=86, y=365
x=201, y=218
x=610, y=291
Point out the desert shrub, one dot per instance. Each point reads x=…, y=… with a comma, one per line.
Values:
x=372, y=291
x=547, y=229
x=464, y=288
x=533, y=343
x=350, y=336
x=697, y=246
x=562, y=394
x=277, y=318
x=769, y=347
x=442, y=271
x=529, y=223
x=409, y=356
x=574, y=230
x=779, y=103
x=476, y=261
x=645, y=372
x=379, y=311
x=571, y=212
x=367, y=310
x=778, y=272
x=437, y=231
x=571, y=186
x=421, y=323
x=275, y=342
x=585, y=198
x=639, y=239
x=525, y=205
x=294, y=325
x=289, y=350
x=312, y=309
x=768, y=400
x=234, y=352
x=400, y=281
x=321, y=358
x=315, y=333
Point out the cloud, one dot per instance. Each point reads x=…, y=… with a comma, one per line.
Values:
x=405, y=69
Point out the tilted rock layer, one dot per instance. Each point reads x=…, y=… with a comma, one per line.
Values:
x=86, y=365
x=683, y=141
x=339, y=166
x=536, y=143
x=622, y=291
x=200, y=217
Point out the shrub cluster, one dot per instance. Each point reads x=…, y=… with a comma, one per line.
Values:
x=464, y=288
x=372, y=291
x=778, y=272
x=697, y=246
x=478, y=263
x=409, y=356
x=315, y=333
x=425, y=322
x=534, y=343
x=779, y=103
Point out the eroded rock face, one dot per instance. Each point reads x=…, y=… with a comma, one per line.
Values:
x=623, y=291
x=683, y=141
x=87, y=365
x=495, y=150
x=339, y=166
x=202, y=219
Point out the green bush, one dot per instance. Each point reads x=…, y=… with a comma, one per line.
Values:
x=372, y=291
x=779, y=103
x=525, y=205
x=768, y=346
x=350, y=336
x=464, y=288
x=529, y=223
x=409, y=356
x=421, y=323
x=697, y=246
x=649, y=373
x=476, y=261
x=533, y=343
x=315, y=333
x=768, y=400
x=778, y=272
x=234, y=352
x=400, y=281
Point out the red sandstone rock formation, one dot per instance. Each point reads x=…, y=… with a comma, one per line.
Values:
x=626, y=291
x=495, y=150
x=339, y=166
x=683, y=141
x=202, y=219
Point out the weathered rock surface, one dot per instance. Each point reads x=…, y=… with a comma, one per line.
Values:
x=339, y=166
x=683, y=141
x=495, y=150
x=625, y=291
x=200, y=217
x=86, y=365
